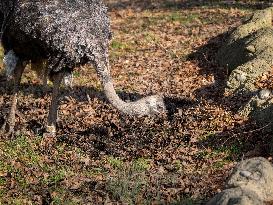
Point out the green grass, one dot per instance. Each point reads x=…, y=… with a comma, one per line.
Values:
x=118, y=45
x=188, y=201
x=128, y=181
x=178, y=17
x=168, y=17
x=141, y=164
x=208, y=135
x=56, y=176
x=119, y=48
x=23, y=162
x=115, y=162
x=219, y=164
x=127, y=185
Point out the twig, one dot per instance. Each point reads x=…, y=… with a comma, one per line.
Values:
x=248, y=132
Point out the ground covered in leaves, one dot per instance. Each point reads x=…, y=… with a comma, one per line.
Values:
x=102, y=157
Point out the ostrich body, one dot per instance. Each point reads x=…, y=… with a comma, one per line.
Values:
x=65, y=33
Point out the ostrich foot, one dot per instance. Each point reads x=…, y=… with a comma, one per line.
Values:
x=50, y=131
x=49, y=139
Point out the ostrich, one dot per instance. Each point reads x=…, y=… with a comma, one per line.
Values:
x=65, y=33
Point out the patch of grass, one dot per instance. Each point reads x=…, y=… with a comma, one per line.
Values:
x=208, y=135
x=178, y=165
x=129, y=182
x=19, y=201
x=57, y=200
x=227, y=153
x=18, y=156
x=127, y=186
x=2, y=194
x=61, y=149
x=57, y=176
x=188, y=201
x=2, y=181
x=150, y=37
x=95, y=171
x=141, y=164
x=170, y=4
x=118, y=45
x=213, y=4
x=27, y=168
x=234, y=149
x=21, y=148
x=219, y=164
x=58, y=195
x=176, y=16
x=3, y=166
x=20, y=179
x=169, y=17
x=119, y=48
x=115, y=162
x=234, y=152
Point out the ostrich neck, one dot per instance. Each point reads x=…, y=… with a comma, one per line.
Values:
x=112, y=96
x=145, y=106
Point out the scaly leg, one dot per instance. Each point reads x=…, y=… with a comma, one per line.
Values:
x=8, y=126
x=53, y=110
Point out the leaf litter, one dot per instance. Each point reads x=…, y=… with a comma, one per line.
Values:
x=101, y=156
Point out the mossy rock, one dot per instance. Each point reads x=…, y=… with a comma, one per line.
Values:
x=240, y=47
x=261, y=110
x=251, y=183
x=248, y=53
x=236, y=196
x=260, y=19
x=242, y=79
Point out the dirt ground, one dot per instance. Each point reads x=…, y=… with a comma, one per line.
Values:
x=103, y=157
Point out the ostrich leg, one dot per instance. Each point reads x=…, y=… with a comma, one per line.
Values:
x=8, y=126
x=53, y=110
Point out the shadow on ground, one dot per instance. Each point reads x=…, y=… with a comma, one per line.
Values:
x=245, y=139
x=242, y=141
x=84, y=94
x=205, y=56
